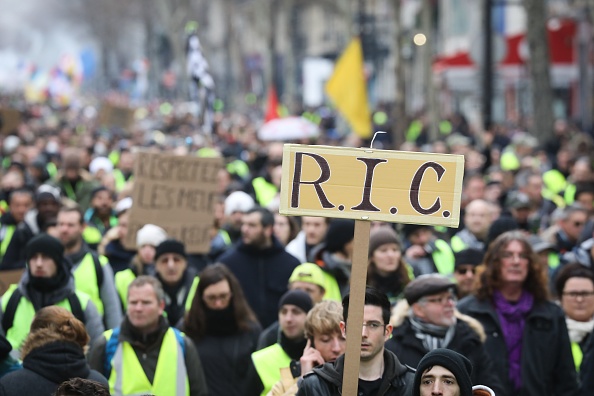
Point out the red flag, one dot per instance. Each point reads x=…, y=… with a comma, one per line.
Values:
x=272, y=107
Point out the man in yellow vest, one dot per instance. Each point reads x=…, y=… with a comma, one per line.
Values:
x=47, y=281
x=19, y=202
x=170, y=364
x=427, y=253
x=292, y=312
x=92, y=272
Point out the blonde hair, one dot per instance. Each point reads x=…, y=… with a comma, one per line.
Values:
x=323, y=318
x=52, y=324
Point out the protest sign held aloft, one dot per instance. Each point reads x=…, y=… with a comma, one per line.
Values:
x=176, y=193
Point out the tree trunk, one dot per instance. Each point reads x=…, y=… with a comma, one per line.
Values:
x=542, y=95
x=400, y=120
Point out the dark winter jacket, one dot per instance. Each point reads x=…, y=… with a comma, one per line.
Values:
x=587, y=368
x=330, y=264
x=147, y=348
x=46, y=367
x=263, y=275
x=547, y=363
x=14, y=258
x=118, y=256
x=226, y=359
x=466, y=341
x=326, y=380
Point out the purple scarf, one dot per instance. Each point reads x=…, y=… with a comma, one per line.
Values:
x=512, y=318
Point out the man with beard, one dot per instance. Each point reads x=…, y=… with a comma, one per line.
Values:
x=380, y=371
x=48, y=281
x=92, y=272
x=261, y=264
x=47, y=204
x=427, y=320
x=100, y=217
x=179, y=281
x=19, y=202
x=74, y=181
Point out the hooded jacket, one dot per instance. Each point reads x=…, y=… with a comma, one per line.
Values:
x=467, y=340
x=46, y=367
x=326, y=380
x=263, y=275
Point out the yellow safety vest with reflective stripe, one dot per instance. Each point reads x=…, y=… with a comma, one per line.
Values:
x=443, y=257
x=8, y=233
x=265, y=192
x=127, y=376
x=578, y=355
x=122, y=281
x=120, y=180
x=457, y=244
x=24, y=313
x=85, y=279
x=268, y=362
x=192, y=293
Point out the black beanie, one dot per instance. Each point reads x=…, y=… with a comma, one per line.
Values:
x=499, y=226
x=298, y=298
x=468, y=256
x=49, y=246
x=459, y=365
x=340, y=232
x=170, y=246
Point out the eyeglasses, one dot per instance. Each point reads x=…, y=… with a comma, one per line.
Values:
x=213, y=298
x=576, y=294
x=373, y=325
x=443, y=300
x=464, y=271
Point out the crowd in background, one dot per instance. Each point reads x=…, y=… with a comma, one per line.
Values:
x=262, y=307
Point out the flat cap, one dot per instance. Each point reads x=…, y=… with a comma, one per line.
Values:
x=427, y=285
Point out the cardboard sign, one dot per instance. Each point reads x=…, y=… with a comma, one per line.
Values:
x=177, y=194
x=369, y=184
x=116, y=116
x=11, y=119
x=9, y=277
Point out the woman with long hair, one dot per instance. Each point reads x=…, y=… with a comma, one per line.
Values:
x=527, y=337
x=224, y=329
x=387, y=270
x=52, y=353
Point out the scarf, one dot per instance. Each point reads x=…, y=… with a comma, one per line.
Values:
x=513, y=318
x=432, y=336
x=578, y=330
x=221, y=322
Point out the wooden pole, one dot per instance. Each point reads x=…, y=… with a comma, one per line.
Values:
x=350, y=379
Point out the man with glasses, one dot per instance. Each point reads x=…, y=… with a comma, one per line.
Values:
x=427, y=319
x=465, y=265
x=380, y=371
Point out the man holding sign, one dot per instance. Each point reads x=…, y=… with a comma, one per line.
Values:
x=380, y=372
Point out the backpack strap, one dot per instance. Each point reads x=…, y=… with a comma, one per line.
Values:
x=110, y=348
x=98, y=269
x=76, y=308
x=180, y=338
x=11, y=306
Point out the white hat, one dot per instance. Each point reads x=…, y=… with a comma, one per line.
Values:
x=238, y=201
x=123, y=205
x=100, y=163
x=150, y=234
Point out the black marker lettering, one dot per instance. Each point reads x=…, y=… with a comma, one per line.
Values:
x=366, y=204
x=324, y=177
x=416, y=185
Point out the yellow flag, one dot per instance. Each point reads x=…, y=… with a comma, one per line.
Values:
x=346, y=87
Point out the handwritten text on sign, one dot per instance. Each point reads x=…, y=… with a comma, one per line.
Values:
x=177, y=194
x=394, y=186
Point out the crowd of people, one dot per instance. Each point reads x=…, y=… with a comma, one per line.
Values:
x=502, y=305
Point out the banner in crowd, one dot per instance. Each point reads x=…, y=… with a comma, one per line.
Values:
x=177, y=193
x=10, y=119
x=116, y=116
x=369, y=184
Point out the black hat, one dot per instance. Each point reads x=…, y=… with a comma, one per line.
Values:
x=459, y=365
x=298, y=298
x=48, y=245
x=426, y=285
x=382, y=236
x=468, y=256
x=170, y=246
x=340, y=232
x=500, y=226
x=409, y=229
